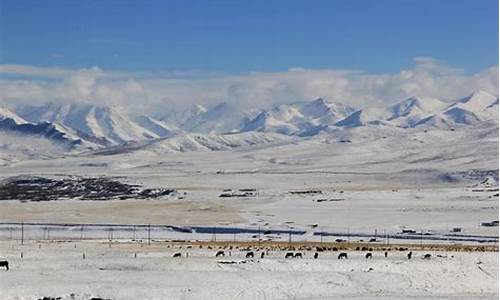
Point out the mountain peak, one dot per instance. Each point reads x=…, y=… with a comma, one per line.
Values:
x=6, y=113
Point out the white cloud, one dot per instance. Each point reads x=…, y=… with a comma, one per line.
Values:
x=143, y=92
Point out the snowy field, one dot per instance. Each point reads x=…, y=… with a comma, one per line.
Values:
x=131, y=271
x=379, y=183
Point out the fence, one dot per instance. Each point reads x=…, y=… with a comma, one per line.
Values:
x=23, y=232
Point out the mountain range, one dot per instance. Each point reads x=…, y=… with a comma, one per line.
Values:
x=93, y=127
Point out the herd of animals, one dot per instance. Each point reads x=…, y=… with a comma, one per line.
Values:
x=288, y=255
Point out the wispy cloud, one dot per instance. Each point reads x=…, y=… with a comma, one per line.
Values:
x=143, y=92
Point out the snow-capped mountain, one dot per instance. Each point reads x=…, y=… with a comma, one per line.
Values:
x=477, y=108
x=99, y=122
x=6, y=113
x=222, y=118
x=409, y=112
x=155, y=126
x=11, y=123
x=96, y=127
x=299, y=117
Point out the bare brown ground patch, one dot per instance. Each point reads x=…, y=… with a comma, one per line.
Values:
x=300, y=246
x=116, y=211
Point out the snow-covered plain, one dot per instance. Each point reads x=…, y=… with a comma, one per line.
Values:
x=371, y=178
x=134, y=271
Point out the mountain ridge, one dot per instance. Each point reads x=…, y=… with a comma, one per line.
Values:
x=96, y=127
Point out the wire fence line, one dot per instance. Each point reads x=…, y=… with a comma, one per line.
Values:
x=23, y=232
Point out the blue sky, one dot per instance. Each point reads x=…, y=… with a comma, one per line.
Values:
x=245, y=36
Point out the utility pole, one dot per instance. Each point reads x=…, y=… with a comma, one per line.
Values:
x=348, y=235
x=110, y=236
x=22, y=233
x=149, y=234
x=259, y=236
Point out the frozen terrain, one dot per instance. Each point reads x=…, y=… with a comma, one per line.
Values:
x=422, y=171
x=135, y=271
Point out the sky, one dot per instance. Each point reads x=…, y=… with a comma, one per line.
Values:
x=268, y=52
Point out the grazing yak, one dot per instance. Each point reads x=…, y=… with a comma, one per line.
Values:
x=297, y=255
x=342, y=255
x=178, y=254
x=368, y=255
x=409, y=255
x=4, y=263
x=262, y=255
x=316, y=255
x=385, y=253
x=427, y=256
x=289, y=255
x=249, y=255
x=219, y=253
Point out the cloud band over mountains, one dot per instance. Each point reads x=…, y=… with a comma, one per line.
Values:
x=143, y=92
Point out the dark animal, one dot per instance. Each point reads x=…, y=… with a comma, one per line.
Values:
x=289, y=255
x=316, y=255
x=298, y=255
x=219, y=253
x=4, y=263
x=343, y=255
x=385, y=253
x=178, y=254
x=249, y=255
x=427, y=256
x=368, y=255
x=409, y=255
x=262, y=255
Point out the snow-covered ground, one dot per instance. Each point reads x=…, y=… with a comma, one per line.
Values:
x=132, y=271
x=388, y=179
